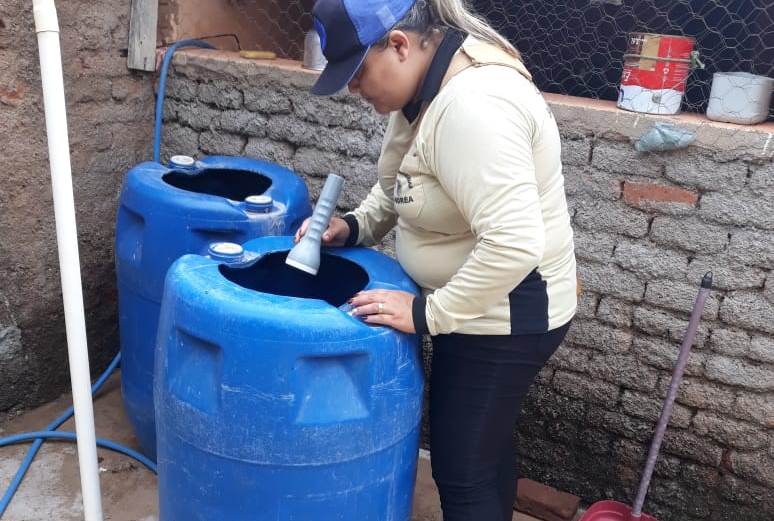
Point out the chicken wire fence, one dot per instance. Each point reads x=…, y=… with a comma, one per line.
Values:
x=280, y=24
x=578, y=47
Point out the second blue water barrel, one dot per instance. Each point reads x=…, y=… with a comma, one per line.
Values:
x=168, y=211
x=272, y=402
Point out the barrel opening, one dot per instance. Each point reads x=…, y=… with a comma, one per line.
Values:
x=336, y=282
x=221, y=182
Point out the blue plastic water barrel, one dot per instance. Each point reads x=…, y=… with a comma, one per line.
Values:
x=168, y=211
x=272, y=402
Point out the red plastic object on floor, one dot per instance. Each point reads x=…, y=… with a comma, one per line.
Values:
x=613, y=510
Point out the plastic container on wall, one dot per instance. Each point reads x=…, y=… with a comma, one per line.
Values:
x=740, y=97
x=272, y=402
x=168, y=211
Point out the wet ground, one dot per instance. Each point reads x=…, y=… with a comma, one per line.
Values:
x=51, y=490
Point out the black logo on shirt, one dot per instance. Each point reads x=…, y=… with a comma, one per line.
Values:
x=400, y=188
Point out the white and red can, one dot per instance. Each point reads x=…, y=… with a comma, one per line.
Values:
x=656, y=67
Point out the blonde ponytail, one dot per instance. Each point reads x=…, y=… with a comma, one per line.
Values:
x=457, y=14
x=430, y=16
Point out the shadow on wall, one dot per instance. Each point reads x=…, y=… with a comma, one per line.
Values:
x=270, y=25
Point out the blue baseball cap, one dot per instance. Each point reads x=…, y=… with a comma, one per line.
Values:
x=348, y=29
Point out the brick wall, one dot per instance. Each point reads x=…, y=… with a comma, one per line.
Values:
x=110, y=118
x=647, y=228
x=235, y=106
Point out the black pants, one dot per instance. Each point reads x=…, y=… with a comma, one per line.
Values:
x=477, y=385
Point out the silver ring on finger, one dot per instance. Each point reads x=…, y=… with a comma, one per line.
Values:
x=380, y=308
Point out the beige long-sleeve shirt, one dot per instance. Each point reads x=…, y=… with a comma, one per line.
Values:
x=476, y=190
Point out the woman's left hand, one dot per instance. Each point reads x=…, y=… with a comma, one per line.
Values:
x=382, y=307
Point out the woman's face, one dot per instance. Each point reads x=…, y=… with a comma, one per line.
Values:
x=390, y=76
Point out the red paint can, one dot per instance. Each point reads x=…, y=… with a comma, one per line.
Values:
x=656, y=67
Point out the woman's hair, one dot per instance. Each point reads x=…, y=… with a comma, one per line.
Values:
x=430, y=16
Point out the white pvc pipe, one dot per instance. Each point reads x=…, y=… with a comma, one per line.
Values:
x=47, y=28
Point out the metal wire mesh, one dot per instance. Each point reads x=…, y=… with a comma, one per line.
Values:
x=577, y=47
x=280, y=24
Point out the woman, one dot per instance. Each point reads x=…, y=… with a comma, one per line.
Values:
x=470, y=174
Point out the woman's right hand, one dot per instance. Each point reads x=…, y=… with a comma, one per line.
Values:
x=336, y=234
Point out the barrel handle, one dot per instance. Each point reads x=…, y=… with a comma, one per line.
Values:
x=130, y=240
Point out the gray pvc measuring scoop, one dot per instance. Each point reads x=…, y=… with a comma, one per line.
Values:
x=305, y=255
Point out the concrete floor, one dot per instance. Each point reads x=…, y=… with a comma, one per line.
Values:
x=51, y=490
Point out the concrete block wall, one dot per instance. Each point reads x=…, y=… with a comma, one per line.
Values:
x=647, y=227
x=110, y=112
x=220, y=104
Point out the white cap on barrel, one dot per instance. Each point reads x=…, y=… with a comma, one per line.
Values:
x=259, y=203
x=226, y=251
x=181, y=162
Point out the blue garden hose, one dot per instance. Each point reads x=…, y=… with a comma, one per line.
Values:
x=163, y=87
x=50, y=433
x=70, y=436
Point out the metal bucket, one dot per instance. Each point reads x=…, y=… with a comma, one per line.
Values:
x=656, y=68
